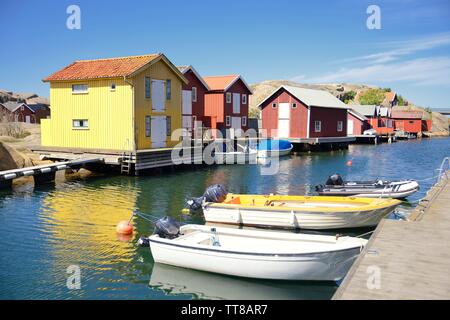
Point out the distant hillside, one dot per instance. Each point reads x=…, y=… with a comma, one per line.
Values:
x=263, y=89
x=27, y=97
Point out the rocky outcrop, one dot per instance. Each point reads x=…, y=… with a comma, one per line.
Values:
x=10, y=158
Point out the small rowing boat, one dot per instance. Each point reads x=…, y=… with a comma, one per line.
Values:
x=257, y=254
x=336, y=186
x=274, y=148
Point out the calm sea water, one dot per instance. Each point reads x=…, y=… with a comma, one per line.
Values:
x=45, y=230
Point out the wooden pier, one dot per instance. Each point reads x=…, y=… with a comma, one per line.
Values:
x=406, y=259
x=43, y=173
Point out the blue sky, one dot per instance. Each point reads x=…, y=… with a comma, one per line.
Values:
x=307, y=41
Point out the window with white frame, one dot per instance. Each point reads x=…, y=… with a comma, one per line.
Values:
x=194, y=94
x=148, y=121
x=228, y=121
x=244, y=121
x=228, y=95
x=294, y=105
x=113, y=87
x=244, y=99
x=317, y=126
x=80, y=88
x=340, y=126
x=80, y=124
x=274, y=105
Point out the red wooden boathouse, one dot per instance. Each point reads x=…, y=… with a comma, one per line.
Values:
x=407, y=121
x=296, y=113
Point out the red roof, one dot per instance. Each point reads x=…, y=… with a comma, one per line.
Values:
x=399, y=114
x=220, y=82
x=102, y=68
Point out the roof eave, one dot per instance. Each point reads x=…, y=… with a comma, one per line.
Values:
x=199, y=77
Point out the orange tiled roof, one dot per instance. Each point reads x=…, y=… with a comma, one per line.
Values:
x=102, y=68
x=219, y=82
x=390, y=96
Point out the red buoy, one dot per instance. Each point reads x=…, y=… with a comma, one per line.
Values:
x=124, y=227
x=349, y=163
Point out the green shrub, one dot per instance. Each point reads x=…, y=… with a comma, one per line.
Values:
x=372, y=96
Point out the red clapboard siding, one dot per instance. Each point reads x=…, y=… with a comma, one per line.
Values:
x=298, y=116
x=329, y=118
x=198, y=107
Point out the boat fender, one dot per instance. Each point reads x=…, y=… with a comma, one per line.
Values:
x=144, y=242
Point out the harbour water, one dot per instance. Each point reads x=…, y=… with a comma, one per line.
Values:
x=48, y=229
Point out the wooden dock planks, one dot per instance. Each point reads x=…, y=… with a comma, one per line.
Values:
x=413, y=257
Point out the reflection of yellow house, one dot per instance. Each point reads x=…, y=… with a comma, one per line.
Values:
x=84, y=222
x=129, y=103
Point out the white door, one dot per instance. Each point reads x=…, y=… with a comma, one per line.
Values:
x=235, y=127
x=284, y=112
x=187, y=102
x=158, y=96
x=187, y=122
x=159, y=131
x=350, y=127
x=27, y=119
x=236, y=103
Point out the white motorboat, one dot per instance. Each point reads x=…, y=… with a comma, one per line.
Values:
x=256, y=254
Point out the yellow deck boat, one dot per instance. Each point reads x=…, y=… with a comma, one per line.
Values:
x=302, y=212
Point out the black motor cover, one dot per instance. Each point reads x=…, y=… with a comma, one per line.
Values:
x=167, y=227
x=335, y=180
x=214, y=193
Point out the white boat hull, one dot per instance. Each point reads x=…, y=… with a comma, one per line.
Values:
x=329, y=265
x=295, y=219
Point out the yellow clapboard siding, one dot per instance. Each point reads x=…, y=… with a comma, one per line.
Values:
x=110, y=113
x=143, y=106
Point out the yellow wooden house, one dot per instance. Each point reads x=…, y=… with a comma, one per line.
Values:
x=125, y=104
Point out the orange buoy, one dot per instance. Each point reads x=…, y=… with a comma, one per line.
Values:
x=124, y=227
x=349, y=163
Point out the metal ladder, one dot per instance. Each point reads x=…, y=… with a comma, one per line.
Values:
x=125, y=166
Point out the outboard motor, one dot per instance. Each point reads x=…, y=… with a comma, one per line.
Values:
x=335, y=180
x=215, y=193
x=167, y=228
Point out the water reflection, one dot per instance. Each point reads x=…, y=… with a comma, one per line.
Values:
x=46, y=229
x=204, y=285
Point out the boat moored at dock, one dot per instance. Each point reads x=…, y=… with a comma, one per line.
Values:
x=258, y=254
x=336, y=186
x=274, y=148
x=298, y=212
